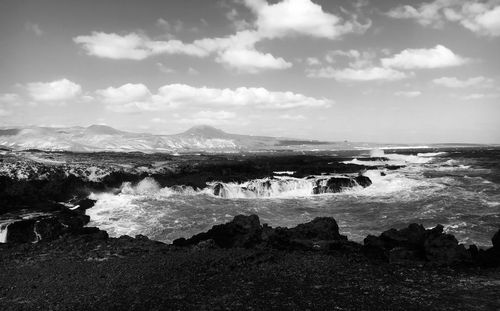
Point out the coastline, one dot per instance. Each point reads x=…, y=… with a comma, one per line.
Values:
x=89, y=271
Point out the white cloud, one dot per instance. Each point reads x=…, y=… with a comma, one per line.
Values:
x=238, y=51
x=476, y=96
x=313, y=61
x=133, y=46
x=303, y=17
x=361, y=74
x=331, y=56
x=251, y=60
x=136, y=97
x=437, y=57
x=192, y=71
x=164, y=68
x=55, y=91
x=126, y=93
x=409, y=94
x=482, y=18
x=35, y=28
x=454, y=82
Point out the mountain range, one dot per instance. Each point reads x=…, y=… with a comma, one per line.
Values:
x=104, y=138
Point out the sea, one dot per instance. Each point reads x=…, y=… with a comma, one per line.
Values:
x=456, y=187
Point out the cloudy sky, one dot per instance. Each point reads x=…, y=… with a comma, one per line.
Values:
x=368, y=70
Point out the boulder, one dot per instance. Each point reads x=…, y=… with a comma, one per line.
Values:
x=242, y=231
x=322, y=233
x=218, y=188
x=363, y=181
x=417, y=243
x=443, y=248
x=34, y=228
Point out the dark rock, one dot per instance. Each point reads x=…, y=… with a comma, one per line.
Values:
x=141, y=237
x=496, y=240
x=363, y=181
x=21, y=231
x=242, y=231
x=334, y=185
x=322, y=233
x=218, y=189
x=443, y=248
x=320, y=228
x=85, y=204
x=417, y=243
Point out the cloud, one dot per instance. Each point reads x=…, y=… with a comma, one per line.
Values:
x=126, y=93
x=295, y=117
x=164, y=68
x=251, y=60
x=136, y=97
x=409, y=94
x=453, y=82
x=35, y=28
x=483, y=18
x=353, y=74
x=289, y=17
x=55, y=91
x=192, y=71
x=313, y=61
x=437, y=57
x=133, y=46
x=237, y=51
x=476, y=96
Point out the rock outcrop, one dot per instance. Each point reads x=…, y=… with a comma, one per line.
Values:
x=247, y=232
x=35, y=227
x=417, y=243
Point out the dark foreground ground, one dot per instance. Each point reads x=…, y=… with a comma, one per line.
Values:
x=75, y=273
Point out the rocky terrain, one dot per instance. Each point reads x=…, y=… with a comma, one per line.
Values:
x=36, y=180
x=243, y=265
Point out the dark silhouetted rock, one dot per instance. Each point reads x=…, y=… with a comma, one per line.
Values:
x=417, y=243
x=496, y=240
x=363, y=181
x=218, y=189
x=85, y=204
x=322, y=233
x=242, y=231
x=443, y=248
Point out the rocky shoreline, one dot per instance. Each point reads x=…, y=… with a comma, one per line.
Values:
x=52, y=261
x=245, y=265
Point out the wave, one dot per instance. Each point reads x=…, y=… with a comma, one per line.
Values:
x=274, y=187
x=379, y=158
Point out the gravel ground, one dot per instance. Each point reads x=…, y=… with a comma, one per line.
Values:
x=74, y=273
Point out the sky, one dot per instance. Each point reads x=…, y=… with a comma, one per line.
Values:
x=390, y=71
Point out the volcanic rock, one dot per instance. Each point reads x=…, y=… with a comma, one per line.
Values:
x=417, y=243
x=242, y=231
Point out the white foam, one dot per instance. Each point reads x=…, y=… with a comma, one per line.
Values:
x=3, y=232
x=284, y=172
x=377, y=153
x=431, y=154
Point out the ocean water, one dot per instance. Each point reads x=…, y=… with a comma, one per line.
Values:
x=458, y=188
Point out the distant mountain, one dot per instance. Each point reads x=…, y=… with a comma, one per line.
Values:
x=105, y=138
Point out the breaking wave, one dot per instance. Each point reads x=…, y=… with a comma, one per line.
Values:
x=429, y=188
